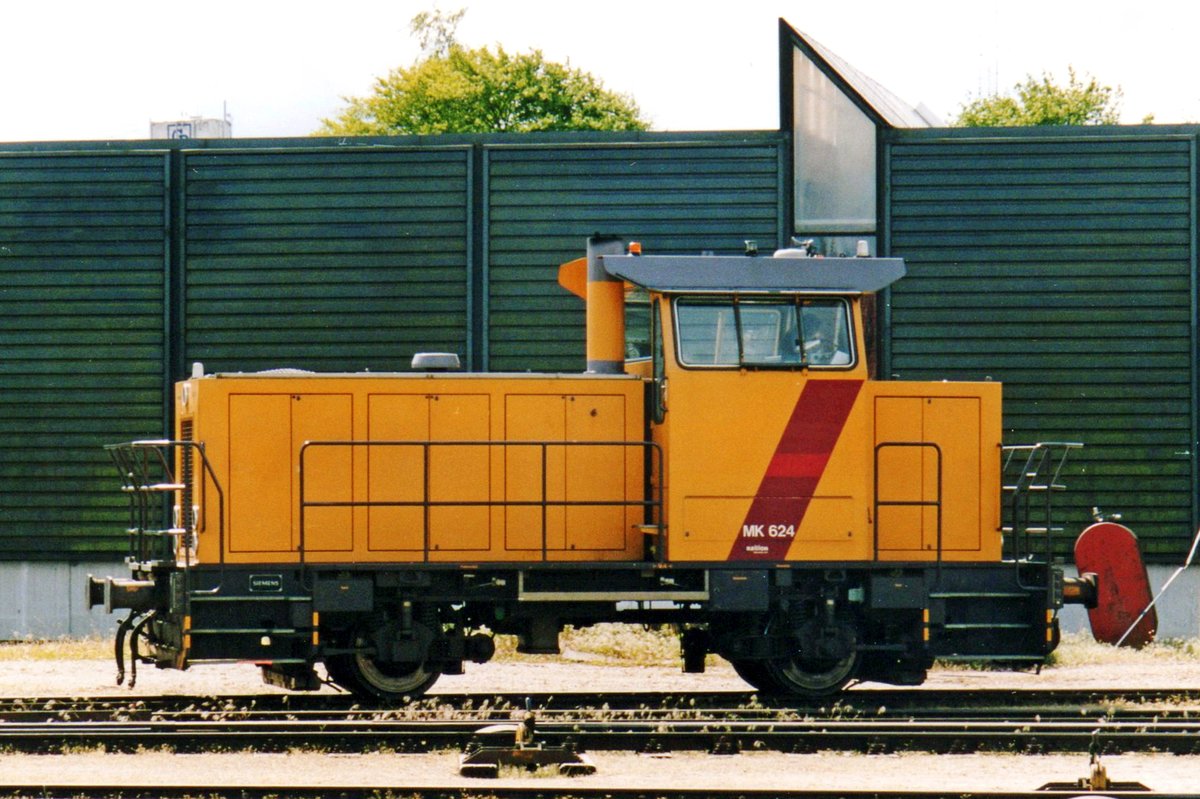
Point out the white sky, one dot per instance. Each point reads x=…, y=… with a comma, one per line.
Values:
x=73, y=70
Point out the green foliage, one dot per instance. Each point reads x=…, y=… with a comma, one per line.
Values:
x=1043, y=102
x=435, y=30
x=453, y=89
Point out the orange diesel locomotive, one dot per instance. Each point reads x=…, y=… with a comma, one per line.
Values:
x=729, y=467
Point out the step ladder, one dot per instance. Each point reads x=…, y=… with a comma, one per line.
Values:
x=157, y=534
x=236, y=622
x=1032, y=475
x=1000, y=620
x=164, y=487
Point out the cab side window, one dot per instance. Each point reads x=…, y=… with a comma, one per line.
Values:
x=637, y=323
x=659, y=373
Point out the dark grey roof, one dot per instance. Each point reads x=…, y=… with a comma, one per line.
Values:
x=755, y=275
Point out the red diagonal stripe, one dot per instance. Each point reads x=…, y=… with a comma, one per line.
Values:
x=798, y=464
x=791, y=477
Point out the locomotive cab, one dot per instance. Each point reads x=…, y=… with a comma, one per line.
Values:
x=779, y=446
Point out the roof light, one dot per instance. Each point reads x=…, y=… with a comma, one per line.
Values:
x=635, y=248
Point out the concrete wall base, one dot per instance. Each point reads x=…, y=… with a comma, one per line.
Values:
x=1178, y=609
x=47, y=600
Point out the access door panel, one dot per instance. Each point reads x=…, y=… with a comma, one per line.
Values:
x=928, y=455
x=396, y=471
x=260, y=469
x=596, y=473
x=953, y=422
x=326, y=470
x=459, y=473
x=266, y=433
x=533, y=474
x=900, y=473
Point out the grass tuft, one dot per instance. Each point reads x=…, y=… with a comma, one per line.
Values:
x=615, y=644
x=90, y=648
x=623, y=643
x=1080, y=649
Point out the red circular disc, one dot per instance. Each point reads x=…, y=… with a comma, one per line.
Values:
x=1111, y=551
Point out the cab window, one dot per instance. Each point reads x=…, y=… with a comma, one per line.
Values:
x=794, y=332
x=637, y=323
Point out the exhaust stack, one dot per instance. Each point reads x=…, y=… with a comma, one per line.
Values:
x=605, y=309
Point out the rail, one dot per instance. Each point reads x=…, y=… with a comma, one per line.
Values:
x=651, y=503
x=946, y=704
x=155, y=492
x=721, y=730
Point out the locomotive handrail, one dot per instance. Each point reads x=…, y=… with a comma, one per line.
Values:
x=652, y=504
x=1039, y=473
x=933, y=503
x=137, y=468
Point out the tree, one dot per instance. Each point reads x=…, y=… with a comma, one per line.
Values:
x=453, y=89
x=1043, y=102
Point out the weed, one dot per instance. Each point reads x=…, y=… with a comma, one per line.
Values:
x=91, y=648
x=615, y=644
x=1079, y=649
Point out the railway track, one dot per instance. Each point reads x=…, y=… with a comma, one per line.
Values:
x=544, y=792
x=711, y=735
x=943, y=703
x=1042, y=721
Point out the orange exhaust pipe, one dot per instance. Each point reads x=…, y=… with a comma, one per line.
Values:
x=605, y=309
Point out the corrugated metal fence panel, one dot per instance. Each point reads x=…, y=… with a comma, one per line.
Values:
x=330, y=260
x=543, y=203
x=1062, y=267
x=81, y=342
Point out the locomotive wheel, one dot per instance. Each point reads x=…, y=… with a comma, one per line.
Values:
x=375, y=680
x=385, y=682
x=812, y=674
x=755, y=673
x=806, y=677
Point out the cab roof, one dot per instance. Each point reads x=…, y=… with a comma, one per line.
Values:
x=741, y=274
